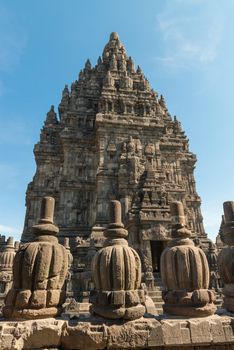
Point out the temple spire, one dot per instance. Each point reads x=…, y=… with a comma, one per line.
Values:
x=114, y=47
x=51, y=117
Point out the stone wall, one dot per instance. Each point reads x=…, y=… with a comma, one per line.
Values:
x=214, y=332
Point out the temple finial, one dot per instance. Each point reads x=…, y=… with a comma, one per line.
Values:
x=114, y=36
x=88, y=65
x=46, y=222
x=51, y=117
x=116, y=228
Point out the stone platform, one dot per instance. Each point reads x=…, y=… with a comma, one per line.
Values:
x=214, y=332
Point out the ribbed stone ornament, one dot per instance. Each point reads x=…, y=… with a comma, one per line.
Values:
x=39, y=272
x=185, y=272
x=7, y=256
x=226, y=256
x=116, y=272
x=6, y=263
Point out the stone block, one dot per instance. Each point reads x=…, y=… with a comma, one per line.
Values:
x=134, y=312
x=38, y=299
x=217, y=331
x=11, y=296
x=200, y=331
x=103, y=299
x=22, y=299
x=83, y=336
x=185, y=332
x=118, y=298
x=53, y=297
x=131, y=298
x=171, y=332
x=228, y=331
x=202, y=296
x=155, y=337
x=127, y=336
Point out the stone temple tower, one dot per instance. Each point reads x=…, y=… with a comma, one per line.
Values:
x=114, y=138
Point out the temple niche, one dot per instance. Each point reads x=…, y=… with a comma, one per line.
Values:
x=113, y=139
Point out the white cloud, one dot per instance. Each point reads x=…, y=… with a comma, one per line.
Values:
x=191, y=33
x=8, y=230
x=14, y=232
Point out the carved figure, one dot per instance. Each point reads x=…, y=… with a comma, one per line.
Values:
x=131, y=146
x=126, y=81
x=116, y=271
x=109, y=80
x=185, y=272
x=39, y=272
x=226, y=256
x=148, y=276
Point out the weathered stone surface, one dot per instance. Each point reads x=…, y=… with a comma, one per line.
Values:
x=113, y=139
x=6, y=264
x=185, y=272
x=30, y=335
x=39, y=272
x=117, y=274
x=213, y=332
x=226, y=256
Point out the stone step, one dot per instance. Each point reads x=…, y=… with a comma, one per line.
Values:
x=155, y=292
x=157, y=300
x=156, y=297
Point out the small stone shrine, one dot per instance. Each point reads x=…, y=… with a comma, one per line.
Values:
x=117, y=274
x=226, y=256
x=39, y=272
x=185, y=272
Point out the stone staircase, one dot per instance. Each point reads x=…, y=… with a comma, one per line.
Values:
x=156, y=294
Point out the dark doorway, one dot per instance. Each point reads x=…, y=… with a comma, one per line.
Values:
x=157, y=248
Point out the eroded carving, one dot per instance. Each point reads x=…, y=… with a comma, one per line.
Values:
x=39, y=272
x=185, y=272
x=117, y=274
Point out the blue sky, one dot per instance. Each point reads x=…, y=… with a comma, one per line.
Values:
x=185, y=48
